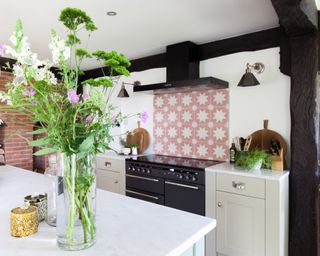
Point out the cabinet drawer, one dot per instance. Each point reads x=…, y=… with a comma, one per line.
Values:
x=109, y=164
x=108, y=180
x=241, y=185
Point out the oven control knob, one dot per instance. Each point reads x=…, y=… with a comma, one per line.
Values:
x=179, y=176
x=129, y=168
x=133, y=169
x=148, y=171
x=187, y=177
x=138, y=169
x=143, y=170
x=194, y=178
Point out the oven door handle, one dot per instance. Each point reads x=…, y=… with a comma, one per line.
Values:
x=142, y=194
x=181, y=185
x=142, y=178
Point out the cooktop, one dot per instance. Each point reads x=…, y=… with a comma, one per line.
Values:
x=176, y=161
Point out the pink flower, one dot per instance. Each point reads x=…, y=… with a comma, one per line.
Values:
x=85, y=96
x=88, y=119
x=30, y=91
x=144, y=117
x=73, y=97
x=34, y=102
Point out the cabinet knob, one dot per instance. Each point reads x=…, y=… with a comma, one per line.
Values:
x=239, y=185
x=107, y=164
x=116, y=182
x=219, y=204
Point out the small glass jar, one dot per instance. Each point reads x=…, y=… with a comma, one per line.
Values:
x=56, y=187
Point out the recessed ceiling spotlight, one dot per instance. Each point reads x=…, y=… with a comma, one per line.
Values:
x=112, y=13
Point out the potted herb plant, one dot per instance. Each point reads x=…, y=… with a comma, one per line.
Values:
x=125, y=147
x=253, y=160
x=134, y=149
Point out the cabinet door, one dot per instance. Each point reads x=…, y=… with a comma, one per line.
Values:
x=240, y=225
x=108, y=180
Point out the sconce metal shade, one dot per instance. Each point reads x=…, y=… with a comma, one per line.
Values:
x=123, y=92
x=248, y=79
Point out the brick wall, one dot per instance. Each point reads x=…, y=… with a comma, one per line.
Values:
x=17, y=151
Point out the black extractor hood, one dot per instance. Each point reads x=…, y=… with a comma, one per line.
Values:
x=182, y=72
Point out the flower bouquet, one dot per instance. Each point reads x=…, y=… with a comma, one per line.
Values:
x=77, y=125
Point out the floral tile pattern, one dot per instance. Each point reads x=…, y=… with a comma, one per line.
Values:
x=193, y=124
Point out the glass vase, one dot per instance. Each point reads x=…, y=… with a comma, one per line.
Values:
x=76, y=204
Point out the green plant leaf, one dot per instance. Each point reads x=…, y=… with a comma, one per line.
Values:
x=39, y=142
x=45, y=151
x=86, y=144
x=38, y=131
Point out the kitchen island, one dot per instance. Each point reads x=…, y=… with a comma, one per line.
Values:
x=125, y=226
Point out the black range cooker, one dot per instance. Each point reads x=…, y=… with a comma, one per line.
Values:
x=171, y=181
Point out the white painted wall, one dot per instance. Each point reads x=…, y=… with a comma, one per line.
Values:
x=248, y=106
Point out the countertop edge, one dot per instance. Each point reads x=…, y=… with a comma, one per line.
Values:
x=228, y=168
x=194, y=239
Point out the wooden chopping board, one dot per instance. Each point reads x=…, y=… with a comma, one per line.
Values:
x=261, y=139
x=139, y=136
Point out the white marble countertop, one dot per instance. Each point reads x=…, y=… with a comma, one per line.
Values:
x=262, y=173
x=125, y=226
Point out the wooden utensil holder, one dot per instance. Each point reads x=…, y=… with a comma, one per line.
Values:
x=278, y=162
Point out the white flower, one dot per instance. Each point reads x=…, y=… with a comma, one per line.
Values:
x=60, y=52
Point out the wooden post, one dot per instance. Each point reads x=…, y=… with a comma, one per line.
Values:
x=299, y=59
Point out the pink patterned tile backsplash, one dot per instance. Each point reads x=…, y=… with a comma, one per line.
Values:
x=193, y=124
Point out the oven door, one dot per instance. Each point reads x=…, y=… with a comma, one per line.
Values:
x=190, y=198
x=142, y=183
x=146, y=196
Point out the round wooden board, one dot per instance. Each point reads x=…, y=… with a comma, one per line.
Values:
x=139, y=136
x=261, y=139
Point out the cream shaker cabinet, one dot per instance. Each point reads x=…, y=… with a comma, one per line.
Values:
x=110, y=173
x=251, y=209
x=241, y=221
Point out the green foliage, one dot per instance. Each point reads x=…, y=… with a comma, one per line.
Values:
x=248, y=160
x=116, y=62
x=72, y=18
x=72, y=40
x=82, y=53
x=105, y=82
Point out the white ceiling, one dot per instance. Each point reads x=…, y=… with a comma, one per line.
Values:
x=142, y=27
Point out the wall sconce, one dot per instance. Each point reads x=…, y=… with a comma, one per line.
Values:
x=248, y=79
x=123, y=92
